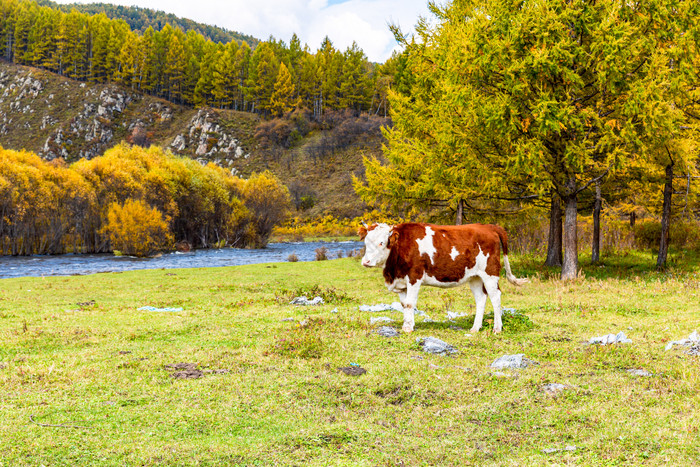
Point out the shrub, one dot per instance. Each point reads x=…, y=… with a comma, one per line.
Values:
x=268, y=201
x=136, y=229
x=647, y=234
x=321, y=253
x=292, y=258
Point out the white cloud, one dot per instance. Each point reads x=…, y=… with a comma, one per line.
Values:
x=364, y=21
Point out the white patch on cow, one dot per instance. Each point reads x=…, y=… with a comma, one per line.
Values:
x=426, y=245
x=399, y=285
x=454, y=253
x=479, y=270
x=481, y=260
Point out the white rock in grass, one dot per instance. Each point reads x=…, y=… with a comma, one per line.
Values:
x=395, y=306
x=554, y=388
x=553, y=450
x=303, y=301
x=388, y=331
x=639, y=372
x=512, y=361
x=692, y=339
x=436, y=346
x=619, y=338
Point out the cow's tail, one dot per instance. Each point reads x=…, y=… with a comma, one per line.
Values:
x=506, y=264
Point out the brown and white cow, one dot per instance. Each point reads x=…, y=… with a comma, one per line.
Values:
x=440, y=256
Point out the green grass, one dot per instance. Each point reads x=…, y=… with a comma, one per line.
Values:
x=77, y=352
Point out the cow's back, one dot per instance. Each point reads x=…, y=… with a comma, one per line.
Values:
x=452, y=252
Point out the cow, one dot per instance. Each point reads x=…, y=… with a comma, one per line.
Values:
x=440, y=256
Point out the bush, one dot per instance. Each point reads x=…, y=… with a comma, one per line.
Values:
x=321, y=253
x=268, y=201
x=647, y=234
x=292, y=258
x=136, y=229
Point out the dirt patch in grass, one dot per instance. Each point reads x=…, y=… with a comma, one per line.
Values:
x=184, y=370
x=352, y=370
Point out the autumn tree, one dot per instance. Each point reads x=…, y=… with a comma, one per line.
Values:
x=267, y=199
x=136, y=229
x=283, y=98
x=519, y=99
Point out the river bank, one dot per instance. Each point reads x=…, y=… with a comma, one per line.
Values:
x=72, y=264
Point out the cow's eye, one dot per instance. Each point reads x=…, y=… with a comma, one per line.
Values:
x=381, y=243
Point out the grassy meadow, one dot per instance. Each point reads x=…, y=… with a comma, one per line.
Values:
x=84, y=375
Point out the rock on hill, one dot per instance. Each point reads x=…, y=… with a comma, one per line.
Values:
x=58, y=117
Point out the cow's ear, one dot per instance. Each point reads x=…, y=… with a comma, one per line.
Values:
x=393, y=239
x=362, y=232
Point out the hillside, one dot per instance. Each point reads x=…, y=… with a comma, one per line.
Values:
x=140, y=19
x=59, y=117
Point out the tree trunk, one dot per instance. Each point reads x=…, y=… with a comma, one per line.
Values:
x=665, y=218
x=460, y=212
x=569, y=267
x=554, y=256
x=595, y=253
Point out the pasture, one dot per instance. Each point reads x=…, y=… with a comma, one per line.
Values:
x=86, y=378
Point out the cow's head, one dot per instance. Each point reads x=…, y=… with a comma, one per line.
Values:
x=378, y=241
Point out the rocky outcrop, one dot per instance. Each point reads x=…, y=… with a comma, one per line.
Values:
x=92, y=128
x=62, y=118
x=209, y=140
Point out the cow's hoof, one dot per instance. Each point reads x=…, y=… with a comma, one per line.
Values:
x=406, y=328
x=475, y=329
x=497, y=330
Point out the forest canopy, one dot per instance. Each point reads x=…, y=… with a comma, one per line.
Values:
x=268, y=77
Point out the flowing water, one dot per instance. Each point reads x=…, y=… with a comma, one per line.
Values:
x=68, y=265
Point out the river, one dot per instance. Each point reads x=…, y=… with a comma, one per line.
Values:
x=69, y=265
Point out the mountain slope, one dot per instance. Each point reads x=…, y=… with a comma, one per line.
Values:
x=58, y=117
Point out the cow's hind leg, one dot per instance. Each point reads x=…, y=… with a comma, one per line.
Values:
x=491, y=285
x=477, y=286
x=409, y=299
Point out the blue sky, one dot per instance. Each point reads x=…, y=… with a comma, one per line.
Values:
x=364, y=21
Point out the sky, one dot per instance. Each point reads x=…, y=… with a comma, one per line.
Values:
x=343, y=21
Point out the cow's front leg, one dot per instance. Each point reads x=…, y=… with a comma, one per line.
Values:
x=409, y=299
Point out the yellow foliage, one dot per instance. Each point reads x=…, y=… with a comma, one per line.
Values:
x=136, y=229
x=297, y=229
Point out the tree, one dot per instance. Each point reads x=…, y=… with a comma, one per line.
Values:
x=136, y=229
x=268, y=201
x=175, y=64
x=283, y=96
x=264, y=67
x=516, y=99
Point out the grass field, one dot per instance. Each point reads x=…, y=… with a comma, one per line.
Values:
x=84, y=377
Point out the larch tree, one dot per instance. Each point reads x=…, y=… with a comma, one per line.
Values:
x=530, y=98
x=283, y=98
